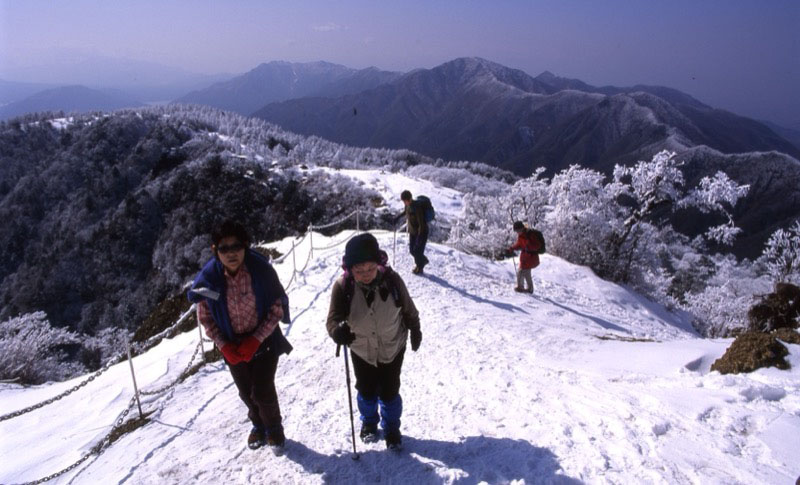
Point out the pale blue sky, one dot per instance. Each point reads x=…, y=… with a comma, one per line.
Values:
x=741, y=55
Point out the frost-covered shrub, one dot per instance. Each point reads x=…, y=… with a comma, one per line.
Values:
x=720, y=308
x=720, y=311
x=459, y=179
x=718, y=194
x=691, y=271
x=583, y=218
x=528, y=199
x=485, y=227
x=33, y=352
x=102, y=347
x=781, y=256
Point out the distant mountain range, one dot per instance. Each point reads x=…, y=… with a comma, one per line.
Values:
x=69, y=99
x=466, y=109
x=280, y=81
x=11, y=91
x=474, y=109
x=146, y=81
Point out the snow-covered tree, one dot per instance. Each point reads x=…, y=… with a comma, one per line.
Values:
x=781, y=255
x=720, y=306
x=484, y=227
x=528, y=200
x=717, y=194
x=583, y=219
x=30, y=350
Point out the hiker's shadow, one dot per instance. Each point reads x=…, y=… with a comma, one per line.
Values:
x=471, y=460
x=503, y=306
x=603, y=323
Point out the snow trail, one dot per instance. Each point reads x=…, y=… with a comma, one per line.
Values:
x=505, y=388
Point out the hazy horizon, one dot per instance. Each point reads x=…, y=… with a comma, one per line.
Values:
x=738, y=55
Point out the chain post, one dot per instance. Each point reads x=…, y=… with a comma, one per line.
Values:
x=200, y=331
x=394, y=249
x=133, y=376
x=310, y=241
x=294, y=259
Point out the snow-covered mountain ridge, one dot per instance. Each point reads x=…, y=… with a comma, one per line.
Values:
x=584, y=381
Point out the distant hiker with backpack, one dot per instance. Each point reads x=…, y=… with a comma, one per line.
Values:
x=239, y=303
x=530, y=243
x=372, y=313
x=418, y=213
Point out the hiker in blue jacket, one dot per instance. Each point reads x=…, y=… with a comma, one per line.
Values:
x=239, y=303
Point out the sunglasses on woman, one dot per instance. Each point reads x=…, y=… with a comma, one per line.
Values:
x=231, y=248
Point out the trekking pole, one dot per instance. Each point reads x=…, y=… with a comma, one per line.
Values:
x=349, y=399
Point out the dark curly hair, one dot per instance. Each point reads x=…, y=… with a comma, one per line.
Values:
x=230, y=228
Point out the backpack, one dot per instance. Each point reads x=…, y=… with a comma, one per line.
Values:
x=539, y=236
x=430, y=214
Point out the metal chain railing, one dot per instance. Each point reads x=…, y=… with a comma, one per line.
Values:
x=294, y=244
x=100, y=446
x=177, y=379
x=324, y=248
x=336, y=223
x=139, y=348
x=64, y=394
x=309, y=233
x=142, y=347
x=95, y=450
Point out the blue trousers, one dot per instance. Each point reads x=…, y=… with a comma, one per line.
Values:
x=379, y=390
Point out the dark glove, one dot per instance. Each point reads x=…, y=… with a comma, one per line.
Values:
x=248, y=348
x=415, y=334
x=343, y=335
x=231, y=353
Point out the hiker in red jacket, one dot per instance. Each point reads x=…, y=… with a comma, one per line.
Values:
x=529, y=245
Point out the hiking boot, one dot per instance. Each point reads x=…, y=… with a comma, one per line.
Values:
x=519, y=290
x=256, y=439
x=369, y=433
x=529, y=290
x=417, y=270
x=276, y=441
x=394, y=440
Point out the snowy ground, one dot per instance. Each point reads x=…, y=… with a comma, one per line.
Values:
x=505, y=387
x=583, y=382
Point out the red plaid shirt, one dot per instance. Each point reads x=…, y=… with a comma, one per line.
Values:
x=241, y=309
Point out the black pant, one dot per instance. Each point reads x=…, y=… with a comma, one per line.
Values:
x=256, y=383
x=382, y=381
x=416, y=246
